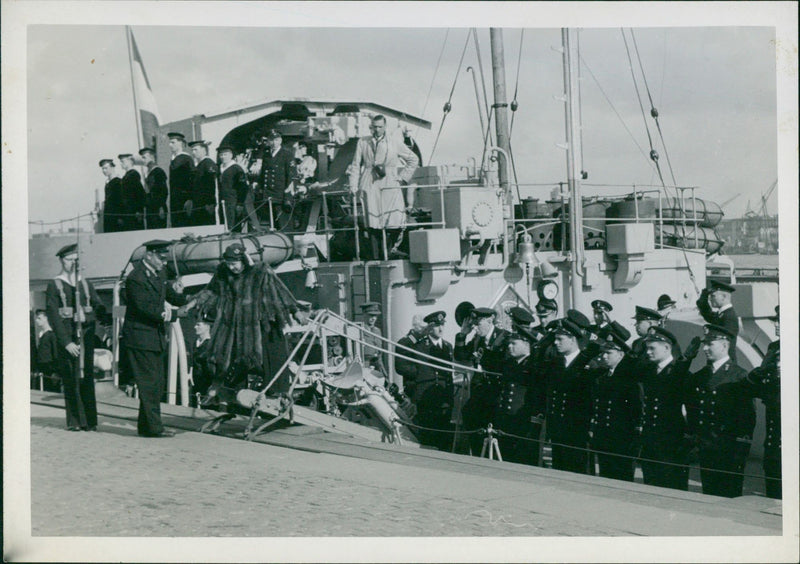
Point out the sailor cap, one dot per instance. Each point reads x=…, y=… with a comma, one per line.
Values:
x=104, y=162
x=566, y=327
x=199, y=142
x=371, y=308
x=463, y=310
x=156, y=245
x=579, y=319
x=67, y=250
x=145, y=150
x=223, y=148
x=124, y=156
x=546, y=306
x=715, y=286
x=176, y=135
x=484, y=312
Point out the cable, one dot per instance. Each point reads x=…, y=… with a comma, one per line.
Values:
x=448, y=106
x=433, y=80
x=514, y=104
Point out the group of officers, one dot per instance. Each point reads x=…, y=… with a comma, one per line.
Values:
x=197, y=190
x=599, y=395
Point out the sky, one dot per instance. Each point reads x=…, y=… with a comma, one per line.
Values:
x=713, y=87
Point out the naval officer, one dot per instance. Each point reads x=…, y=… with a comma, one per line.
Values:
x=155, y=185
x=434, y=390
x=645, y=319
x=721, y=415
x=716, y=308
x=148, y=296
x=277, y=169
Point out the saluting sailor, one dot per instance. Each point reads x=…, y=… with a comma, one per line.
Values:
x=600, y=311
x=716, y=308
x=721, y=415
x=64, y=315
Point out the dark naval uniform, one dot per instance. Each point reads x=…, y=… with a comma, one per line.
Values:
x=722, y=416
x=133, y=198
x=409, y=369
x=113, y=220
x=726, y=318
x=616, y=416
x=232, y=192
x=665, y=451
x=490, y=355
x=181, y=173
x=569, y=411
x=156, y=199
x=204, y=192
x=145, y=335
x=433, y=394
x=79, y=398
x=765, y=382
x=276, y=175
x=522, y=397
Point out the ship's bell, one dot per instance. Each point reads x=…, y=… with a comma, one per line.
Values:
x=525, y=253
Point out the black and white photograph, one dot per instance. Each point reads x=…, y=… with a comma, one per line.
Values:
x=400, y=281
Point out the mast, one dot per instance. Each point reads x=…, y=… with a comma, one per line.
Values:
x=574, y=166
x=501, y=108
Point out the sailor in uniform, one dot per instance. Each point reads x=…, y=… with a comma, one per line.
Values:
x=434, y=390
x=234, y=192
x=63, y=316
x=645, y=319
x=373, y=337
x=765, y=382
x=148, y=297
x=544, y=349
x=569, y=399
x=521, y=405
x=112, y=203
x=664, y=454
x=487, y=351
x=155, y=186
x=406, y=367
x=616, y=406
x=204, y=185
x=133, y=194
x=721, y=415
x=202, y=369
x=181, y=177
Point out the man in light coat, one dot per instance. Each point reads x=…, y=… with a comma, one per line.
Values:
x=382, y=167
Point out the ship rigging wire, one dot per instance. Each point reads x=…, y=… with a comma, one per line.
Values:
x=433, y=80
x=448, y=106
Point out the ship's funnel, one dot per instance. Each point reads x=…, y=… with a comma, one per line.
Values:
x=525, y=253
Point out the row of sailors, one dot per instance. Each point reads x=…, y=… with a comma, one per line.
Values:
x=598, y=394
x=191, y=186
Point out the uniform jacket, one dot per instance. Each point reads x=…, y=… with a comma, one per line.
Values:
x=181, y=173
x=276, y=173
x=133, y=194
x=204, y=192
x=569, y=406
x=408, y=369
x=112, y=206
x=718, y=404
x=663, y=424
x=46, y=351
x=65, y=328
x=616, y=406
x=445, y=352
x=233, y=184
x=522, y=395
x=156, y=190
x=145, y=294
x=384, y=208
x=765, y=382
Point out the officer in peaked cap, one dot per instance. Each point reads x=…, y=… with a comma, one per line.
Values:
x=645, y=319
x=277, y=168
x=579, y=319
x=145, y=333
x=716, y=308
x=176, y=135
x=664, y=448
x=569, y=399
x=522, y=322
x=372, y=337
x=486, y=349
x=202, y=369
x=721, y=415
x=616, y=405
x=434, y=392
x=600, y=311
x=546, y=311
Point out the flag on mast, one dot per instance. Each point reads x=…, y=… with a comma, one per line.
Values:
x=143, y=96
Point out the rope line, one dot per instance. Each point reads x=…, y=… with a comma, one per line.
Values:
x=435, y=74
x=448, y=106
x=514, y=104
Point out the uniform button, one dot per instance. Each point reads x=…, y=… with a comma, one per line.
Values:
x=701, y=422
x=697, y=389
x=714, y=392
x=702, y=401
